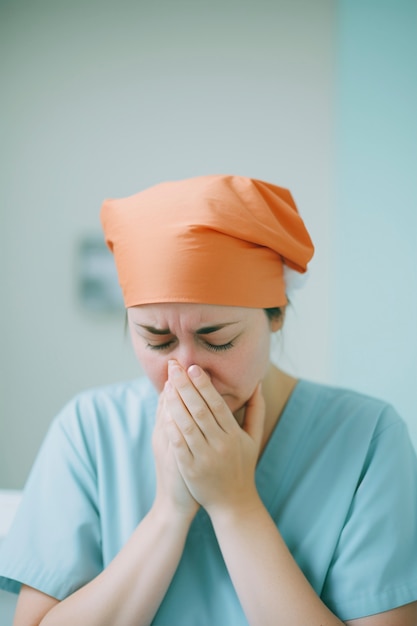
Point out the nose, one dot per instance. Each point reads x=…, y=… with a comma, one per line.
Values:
x=187, y=355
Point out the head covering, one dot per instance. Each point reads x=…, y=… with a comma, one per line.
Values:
x=210, y=239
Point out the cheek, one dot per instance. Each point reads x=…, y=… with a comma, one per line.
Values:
x=242, y=372
x=157, y=374
x=251, y=367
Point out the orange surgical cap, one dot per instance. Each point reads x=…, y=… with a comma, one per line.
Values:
x=210, y=240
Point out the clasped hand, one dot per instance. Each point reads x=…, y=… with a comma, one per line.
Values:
x=214, y=456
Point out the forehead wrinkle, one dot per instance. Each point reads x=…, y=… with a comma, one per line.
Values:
x=178, y=318
x=207, y=330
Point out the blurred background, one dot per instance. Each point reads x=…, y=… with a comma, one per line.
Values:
x=102, y=99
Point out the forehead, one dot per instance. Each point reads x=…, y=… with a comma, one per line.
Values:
x=173, y=314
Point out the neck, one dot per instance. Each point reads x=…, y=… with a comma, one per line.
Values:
x=277, y=388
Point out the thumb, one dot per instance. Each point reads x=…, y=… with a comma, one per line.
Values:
x=254, y=421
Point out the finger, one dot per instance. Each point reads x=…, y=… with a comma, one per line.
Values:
x=177, y=444
x=184, y=421
x=193, y=400
x=173, y=433
x=254, y=421
x=216, y=404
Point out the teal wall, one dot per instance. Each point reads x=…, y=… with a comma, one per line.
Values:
x=375, y=248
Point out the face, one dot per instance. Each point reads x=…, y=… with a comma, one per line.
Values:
x=230, y=343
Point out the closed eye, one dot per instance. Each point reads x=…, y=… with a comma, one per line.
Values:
x=219, y=348
x=160, y=346
x=210, y=346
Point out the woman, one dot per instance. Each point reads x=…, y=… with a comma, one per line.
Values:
x=217, y=490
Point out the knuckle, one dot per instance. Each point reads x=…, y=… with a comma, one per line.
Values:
x=217, y=405
x=188, y=428
x=176, y=441
x=200, y=413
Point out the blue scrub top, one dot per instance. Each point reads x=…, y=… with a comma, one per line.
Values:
x=338, y=476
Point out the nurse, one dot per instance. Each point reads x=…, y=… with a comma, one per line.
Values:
x=217, y=489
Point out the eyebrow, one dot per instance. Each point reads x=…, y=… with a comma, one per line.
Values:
x=206, y=330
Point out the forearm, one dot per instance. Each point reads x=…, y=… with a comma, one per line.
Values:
x=130, y=590
x=271, y=587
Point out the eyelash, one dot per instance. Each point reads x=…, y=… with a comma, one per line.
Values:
x=220, y=348
x=210, y=346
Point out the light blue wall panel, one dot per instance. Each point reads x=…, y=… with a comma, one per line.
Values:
x=375, y=273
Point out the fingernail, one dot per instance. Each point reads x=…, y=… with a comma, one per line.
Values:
x=194, y=371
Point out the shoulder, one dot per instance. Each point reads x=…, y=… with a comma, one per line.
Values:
x=119, y=412
x=348, y=410
x=342, y=427
x=119, y=399
x=120, y=392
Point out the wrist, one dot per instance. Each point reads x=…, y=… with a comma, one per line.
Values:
x=164, y=510
x=236, y=511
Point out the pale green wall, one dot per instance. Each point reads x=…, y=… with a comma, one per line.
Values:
x=375, y=254
x=104, y=98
